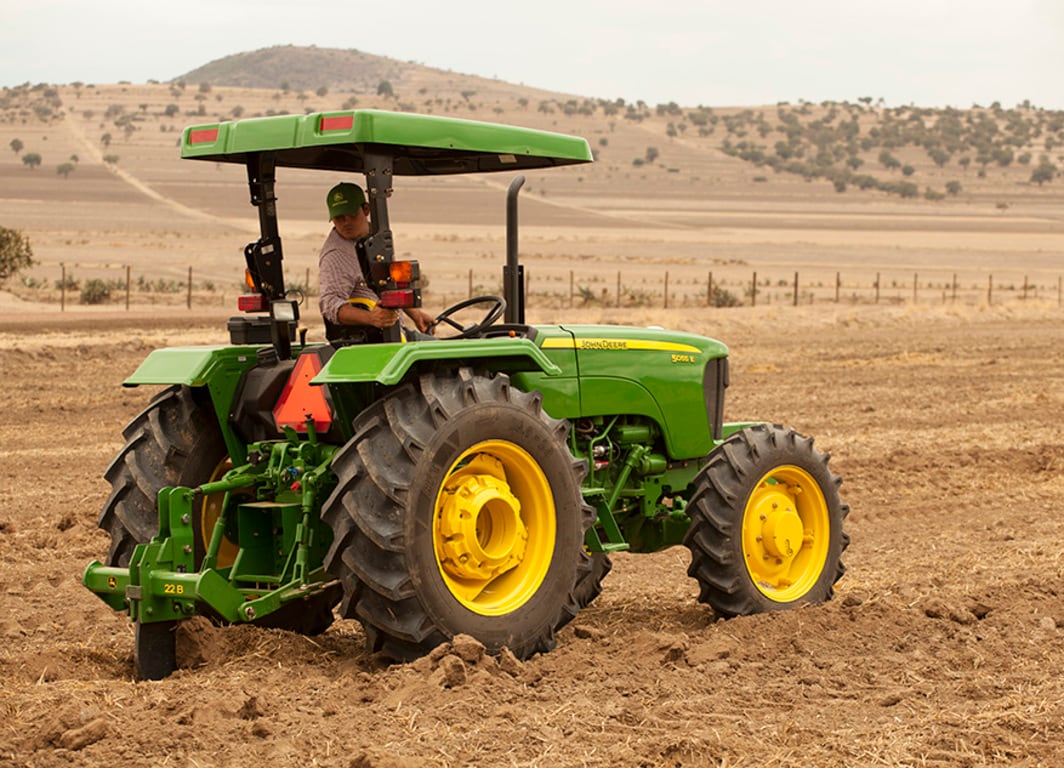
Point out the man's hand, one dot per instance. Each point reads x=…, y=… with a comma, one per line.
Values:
x=422, y=319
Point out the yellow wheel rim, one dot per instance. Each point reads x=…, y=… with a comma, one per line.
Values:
x=212, y=510
x=786, y=532
x=494, y=528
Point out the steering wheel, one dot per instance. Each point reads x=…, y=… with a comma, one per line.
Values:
x=498, y=306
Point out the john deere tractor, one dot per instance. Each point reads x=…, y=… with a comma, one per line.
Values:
x=475, y=484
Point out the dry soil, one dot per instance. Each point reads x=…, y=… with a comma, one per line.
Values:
x=942, y=647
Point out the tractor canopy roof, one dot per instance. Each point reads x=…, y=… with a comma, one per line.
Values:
x=418, y=144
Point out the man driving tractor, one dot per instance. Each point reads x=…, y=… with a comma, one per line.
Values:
x=348, y=305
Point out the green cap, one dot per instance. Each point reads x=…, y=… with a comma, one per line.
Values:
x=345, y=199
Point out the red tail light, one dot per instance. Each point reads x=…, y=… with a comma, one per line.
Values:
x=203, y=135
x=406, y=297
x=252, y=302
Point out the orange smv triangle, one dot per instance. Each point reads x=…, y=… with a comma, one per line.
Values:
x=300, y=398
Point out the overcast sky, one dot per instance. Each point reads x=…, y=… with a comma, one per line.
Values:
x=695, y=52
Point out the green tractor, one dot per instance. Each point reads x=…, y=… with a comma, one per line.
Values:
x=474, y=484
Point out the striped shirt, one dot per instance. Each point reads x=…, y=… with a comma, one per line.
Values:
x=339, y=276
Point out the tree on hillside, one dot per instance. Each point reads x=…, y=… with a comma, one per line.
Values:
x=888, y=161
x=65, y=169
x=16, y=145
x=15, y=253
x=31, y=160
x=384, y=88
x=1045, y=171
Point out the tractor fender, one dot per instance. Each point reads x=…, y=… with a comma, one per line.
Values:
x=388, y=364
x=193, y=366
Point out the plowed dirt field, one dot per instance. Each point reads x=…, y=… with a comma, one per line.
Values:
x=944, y=645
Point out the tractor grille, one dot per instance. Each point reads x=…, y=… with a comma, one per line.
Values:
x=714, y=382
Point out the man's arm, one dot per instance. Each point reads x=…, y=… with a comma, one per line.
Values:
x=378, y=317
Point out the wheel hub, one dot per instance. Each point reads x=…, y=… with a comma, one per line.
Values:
x=781, y=530
x=480, y=528
x=494, y=528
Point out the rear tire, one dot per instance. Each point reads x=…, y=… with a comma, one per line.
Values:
x=766, y=524
x=458, y=509
x=176, y=440
x=590, y=586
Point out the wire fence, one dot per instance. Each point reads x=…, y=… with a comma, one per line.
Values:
x=115, y=285
x=777, y=287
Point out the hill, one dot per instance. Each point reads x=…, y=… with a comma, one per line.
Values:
x=323, y=70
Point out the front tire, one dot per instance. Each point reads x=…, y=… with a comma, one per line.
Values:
x=766, y=524
x=458, y=509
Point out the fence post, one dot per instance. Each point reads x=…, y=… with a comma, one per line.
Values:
x=877, y=287
x=618, y=289
x=915, y=278
x=709, y=290
x=953, y=298
x=188, y=297
x=306, y=283
x=62, y=287
x=1058, y=291
x=1025, y=287
x=796, y=289
x=838, y=285
x=666, y=305
x=989, y=289
x=753, y=291
x=572, y=288
x=127, y=287
x=470, y=285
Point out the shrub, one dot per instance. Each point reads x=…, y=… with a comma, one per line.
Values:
x=722, y=297
x=95, y=291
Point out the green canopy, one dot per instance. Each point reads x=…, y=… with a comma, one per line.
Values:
x=419, y=144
